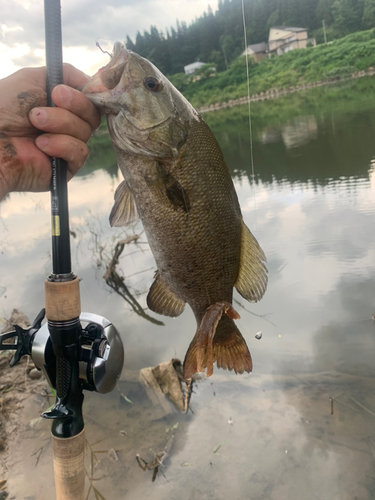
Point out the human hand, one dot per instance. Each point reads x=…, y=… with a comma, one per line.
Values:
x=30, y=132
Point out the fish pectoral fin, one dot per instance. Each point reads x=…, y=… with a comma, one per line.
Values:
x=252, y=277
x=162, y=300
x=124, y=211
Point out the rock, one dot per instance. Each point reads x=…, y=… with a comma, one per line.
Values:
x=17, y=318
x=35, y=374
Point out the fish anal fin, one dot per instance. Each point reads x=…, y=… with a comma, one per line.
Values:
x=252, y=277
x=162, y=300
x=124, y=211
x=217, y=339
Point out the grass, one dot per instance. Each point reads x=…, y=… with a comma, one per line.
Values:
x=334, y=61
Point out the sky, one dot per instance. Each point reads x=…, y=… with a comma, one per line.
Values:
x=84, y=22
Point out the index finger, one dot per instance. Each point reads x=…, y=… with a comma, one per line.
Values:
x=77, y=103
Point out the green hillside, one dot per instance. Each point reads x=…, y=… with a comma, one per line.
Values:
x=333, y=61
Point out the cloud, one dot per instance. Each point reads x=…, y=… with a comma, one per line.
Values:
x=22, y=24
x=29, y=60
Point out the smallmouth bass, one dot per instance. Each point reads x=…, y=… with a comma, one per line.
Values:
x=176, y=180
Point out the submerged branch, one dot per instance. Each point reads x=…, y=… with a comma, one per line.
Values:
x=116, y=282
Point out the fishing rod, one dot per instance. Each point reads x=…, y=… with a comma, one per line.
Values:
x=74, y=350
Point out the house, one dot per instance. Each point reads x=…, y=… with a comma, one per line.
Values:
x=190, y=68
x=257, y=51
x=282, y=39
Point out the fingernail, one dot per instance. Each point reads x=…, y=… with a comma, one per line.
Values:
x=64, y=93
x=42, y=141
x=39, y=115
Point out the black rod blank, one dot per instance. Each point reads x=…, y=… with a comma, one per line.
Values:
x=64, y=331
x=61, y=257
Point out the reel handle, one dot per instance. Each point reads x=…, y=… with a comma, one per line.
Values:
x=24, y=338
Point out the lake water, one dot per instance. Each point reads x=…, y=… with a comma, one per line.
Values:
x=302, y=424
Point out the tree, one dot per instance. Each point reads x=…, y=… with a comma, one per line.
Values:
x=368, y=18
x=273, y=20
x=324, y=11
x=227, y=44
x=129, y=44
x=219, y=36
x=347, y=16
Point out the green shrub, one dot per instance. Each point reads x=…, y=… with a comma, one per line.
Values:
x=337, y=59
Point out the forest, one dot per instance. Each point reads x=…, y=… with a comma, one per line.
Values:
x=218, y=37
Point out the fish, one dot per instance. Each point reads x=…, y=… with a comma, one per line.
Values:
x=177, y=182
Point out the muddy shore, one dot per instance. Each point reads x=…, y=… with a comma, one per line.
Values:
x=17, y=386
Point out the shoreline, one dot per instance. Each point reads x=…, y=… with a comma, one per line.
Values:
x=276, y=92
x=273, y=93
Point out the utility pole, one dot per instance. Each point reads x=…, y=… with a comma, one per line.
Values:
x=225, y=56
x=324, y=30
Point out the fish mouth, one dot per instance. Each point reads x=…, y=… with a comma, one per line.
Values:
x=108, y=77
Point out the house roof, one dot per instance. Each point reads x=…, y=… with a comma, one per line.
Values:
x=258, y=47
x=194, y=65
x=288, y=28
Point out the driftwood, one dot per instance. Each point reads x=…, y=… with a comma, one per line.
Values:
x=116, y=282
x=165, y=384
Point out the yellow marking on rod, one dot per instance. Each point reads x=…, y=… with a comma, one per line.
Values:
x=55, y=225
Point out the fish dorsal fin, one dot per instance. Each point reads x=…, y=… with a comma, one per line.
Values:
x=252, y=277
x=162, y=300
x=124, y=211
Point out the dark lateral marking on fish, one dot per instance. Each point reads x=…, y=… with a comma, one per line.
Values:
x=111, y=77
x=176, y=194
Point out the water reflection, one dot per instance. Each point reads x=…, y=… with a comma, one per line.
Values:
x=312, y=209
x=295, y=133
x=316, y=136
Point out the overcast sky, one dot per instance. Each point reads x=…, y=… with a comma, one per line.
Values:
x=84, y=21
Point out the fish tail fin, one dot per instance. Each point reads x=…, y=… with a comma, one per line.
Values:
x=218, y=339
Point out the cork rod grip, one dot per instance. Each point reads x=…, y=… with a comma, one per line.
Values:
x=68, y=463
x=63, y=301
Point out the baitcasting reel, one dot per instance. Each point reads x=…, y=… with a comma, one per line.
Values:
x=101, y=351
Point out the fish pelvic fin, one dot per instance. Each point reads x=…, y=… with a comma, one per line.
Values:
x=162, y=300
x=218, y=339
x=252, y=277
x=124, y=211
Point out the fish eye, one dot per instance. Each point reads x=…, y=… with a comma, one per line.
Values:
x=152, y=83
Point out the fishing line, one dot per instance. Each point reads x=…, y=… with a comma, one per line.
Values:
x=249, y=108
x=104, y=51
